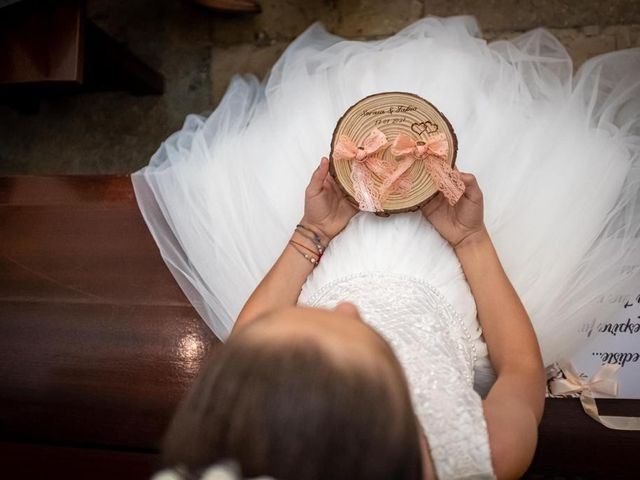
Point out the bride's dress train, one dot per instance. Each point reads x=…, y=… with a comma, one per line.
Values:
x=557, y=157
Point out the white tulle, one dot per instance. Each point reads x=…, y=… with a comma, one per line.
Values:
x=557, y=157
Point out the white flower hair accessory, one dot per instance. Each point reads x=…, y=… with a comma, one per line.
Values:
x=221, y=471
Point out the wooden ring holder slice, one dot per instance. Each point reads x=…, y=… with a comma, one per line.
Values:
x=393, y=113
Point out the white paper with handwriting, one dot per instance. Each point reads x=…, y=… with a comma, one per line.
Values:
x=616, y=339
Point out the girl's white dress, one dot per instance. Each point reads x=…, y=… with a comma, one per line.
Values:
x=557, y=156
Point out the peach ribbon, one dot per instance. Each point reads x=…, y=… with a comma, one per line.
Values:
x=366, y=161
x=603, y=382
x=434, y=152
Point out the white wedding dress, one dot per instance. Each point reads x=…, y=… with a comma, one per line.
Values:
x=557, y=157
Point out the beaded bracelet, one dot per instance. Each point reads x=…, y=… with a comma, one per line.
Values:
x=315, y=238
x=302, y=246
x=317, y=241
x=311, y=258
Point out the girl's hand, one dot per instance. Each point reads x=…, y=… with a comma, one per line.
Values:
x=326, y=208
x=462, y=223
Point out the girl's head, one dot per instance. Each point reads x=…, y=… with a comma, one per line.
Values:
x=304, y=394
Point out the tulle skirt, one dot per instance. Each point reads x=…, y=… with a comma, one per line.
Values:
x=556, y=155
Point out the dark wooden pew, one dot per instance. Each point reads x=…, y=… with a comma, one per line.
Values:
x=98, y=343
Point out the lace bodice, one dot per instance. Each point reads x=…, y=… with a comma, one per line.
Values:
x=438, y=357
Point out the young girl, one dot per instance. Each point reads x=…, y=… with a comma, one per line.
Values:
x=285, y=381
x=558, y=161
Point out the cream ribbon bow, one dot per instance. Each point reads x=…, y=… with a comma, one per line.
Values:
x=603, y=382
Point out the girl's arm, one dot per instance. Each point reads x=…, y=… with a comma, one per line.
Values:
x=514, y=405
x=513, y=408
x=281, y=286
x=326, y=212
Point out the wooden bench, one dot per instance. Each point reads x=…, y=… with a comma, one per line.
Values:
x=98, y=343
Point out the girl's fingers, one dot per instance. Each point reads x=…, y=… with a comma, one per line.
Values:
x=472, y=189
x=318, y=177
x=334, y=186
x=433, y=204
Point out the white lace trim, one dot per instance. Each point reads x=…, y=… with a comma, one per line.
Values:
x=313, y=299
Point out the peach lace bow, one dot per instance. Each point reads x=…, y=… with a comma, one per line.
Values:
x=434, y=153
x=365, y=161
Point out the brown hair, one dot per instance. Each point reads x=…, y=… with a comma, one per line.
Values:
x=290, y=411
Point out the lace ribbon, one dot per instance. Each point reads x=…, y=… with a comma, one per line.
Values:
x=366, y=162
x=434, y=153
x=603, y=382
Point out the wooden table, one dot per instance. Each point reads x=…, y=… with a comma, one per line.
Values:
x=98, y=343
